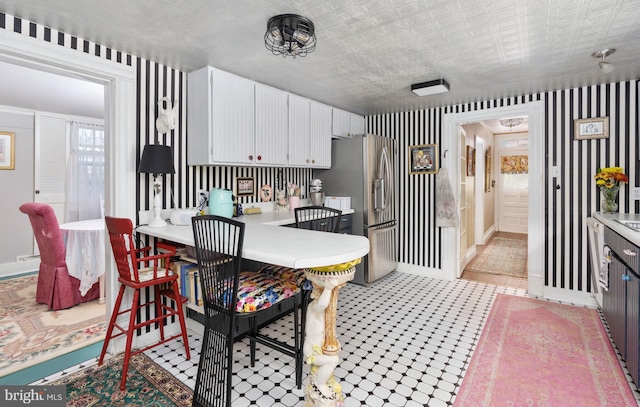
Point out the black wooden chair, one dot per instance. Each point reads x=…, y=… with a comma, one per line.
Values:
x=230, y=295
x=317, y=218
x=320, y=218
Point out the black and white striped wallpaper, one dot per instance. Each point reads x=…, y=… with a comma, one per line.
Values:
x=566, y=209
x=566, y=247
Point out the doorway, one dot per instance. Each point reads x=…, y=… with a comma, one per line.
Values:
x=535, y=239
x=119, y=101
x=499, y=203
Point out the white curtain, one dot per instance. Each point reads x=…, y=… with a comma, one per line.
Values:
x=85, y=173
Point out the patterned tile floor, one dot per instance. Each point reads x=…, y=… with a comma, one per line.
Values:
x=406, y=341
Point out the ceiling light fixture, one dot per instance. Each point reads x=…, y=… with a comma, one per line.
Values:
x=290, y=34
x=604, y=65
x=430, y=88
x=511, y=122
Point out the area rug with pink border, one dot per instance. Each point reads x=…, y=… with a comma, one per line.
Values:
x=540, y=353
x=31, y=333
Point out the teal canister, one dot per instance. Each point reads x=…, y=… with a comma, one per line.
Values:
x=221, y=202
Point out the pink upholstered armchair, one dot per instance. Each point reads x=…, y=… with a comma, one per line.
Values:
x=56, y=287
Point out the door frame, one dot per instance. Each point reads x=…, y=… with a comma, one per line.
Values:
x=451, y=236
x=119, y=81
x=479, y=196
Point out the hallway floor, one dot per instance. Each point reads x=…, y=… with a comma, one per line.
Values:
x=502, y=280
x=409, y=345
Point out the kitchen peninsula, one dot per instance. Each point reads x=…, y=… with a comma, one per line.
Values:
x=266, y=241
x=333, y=254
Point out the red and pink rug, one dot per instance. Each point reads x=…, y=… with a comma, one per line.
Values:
x=539, y=353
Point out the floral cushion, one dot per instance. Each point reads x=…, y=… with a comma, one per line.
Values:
x=258, y=291
x=296, y=276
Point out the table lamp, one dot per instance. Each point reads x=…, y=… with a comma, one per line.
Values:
x=156, y=159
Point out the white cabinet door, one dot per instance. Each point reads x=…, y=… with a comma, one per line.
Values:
x=199, y=147
x=356, y=124
x=220, y=118
x=232, y=118
x=320, y=135
x=341, y=123
x=346, y=124
x=299, y=130
x=272, y=126
x=50, y=168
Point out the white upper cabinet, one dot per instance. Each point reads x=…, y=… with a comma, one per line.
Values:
x=309, y=133
x=341, y=123
x=346, y=124
x=234, y=121
x=299, y=130
x=220, y=118
x=320, y=135
x=356, y=124
x=272, y=126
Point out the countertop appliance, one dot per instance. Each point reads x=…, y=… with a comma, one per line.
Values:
x=364, y=167
x=221, y=202
x=316, y=196
x=182, y=216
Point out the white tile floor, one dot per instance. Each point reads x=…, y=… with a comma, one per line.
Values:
x=406, y=341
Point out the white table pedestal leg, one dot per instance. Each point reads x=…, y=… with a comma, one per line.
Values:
x=102, y=298
x=321, y=346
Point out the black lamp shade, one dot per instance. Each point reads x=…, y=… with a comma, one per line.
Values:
x=156, y=159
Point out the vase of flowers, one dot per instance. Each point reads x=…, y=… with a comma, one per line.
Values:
x=609, y=180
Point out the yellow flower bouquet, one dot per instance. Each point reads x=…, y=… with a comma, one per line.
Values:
x=608, y=179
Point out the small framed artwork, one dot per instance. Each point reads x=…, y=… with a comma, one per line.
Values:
x=7, y=150
x=423, y=159
x=245, y=186
x=587, y=129
x=471, y=161
x=266, y=193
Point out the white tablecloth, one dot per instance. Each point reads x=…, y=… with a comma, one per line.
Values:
x=85, y=246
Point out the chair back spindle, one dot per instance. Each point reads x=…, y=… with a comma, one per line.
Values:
x=318, y=218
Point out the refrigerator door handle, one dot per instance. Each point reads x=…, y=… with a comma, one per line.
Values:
x=381, y=184
x=378, y=194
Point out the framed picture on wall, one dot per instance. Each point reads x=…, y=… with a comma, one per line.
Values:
x=594, y=128
x=487, y=170
x=245, y=186
x=7, y=150
x=471, y=161
x=423, y=159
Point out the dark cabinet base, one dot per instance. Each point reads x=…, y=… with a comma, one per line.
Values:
x=621, y=302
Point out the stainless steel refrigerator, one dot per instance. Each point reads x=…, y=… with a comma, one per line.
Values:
x=364, y=168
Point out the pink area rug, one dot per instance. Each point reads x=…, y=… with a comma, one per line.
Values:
x=539, y=353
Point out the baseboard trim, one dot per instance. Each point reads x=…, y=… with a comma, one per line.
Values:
x=19, y=267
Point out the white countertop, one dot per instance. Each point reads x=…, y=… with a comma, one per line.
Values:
x=609, y=220
x=275, y=218
x=266, y=241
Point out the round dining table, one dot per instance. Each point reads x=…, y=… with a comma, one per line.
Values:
x=85, y=246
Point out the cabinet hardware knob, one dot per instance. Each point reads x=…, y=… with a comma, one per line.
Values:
x=259, y=157
x=626, y=277
x=251, y=157
x=629, y=252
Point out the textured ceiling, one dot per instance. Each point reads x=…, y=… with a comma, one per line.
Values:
x=369, y=52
